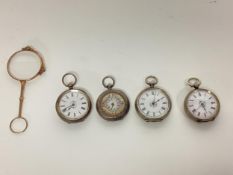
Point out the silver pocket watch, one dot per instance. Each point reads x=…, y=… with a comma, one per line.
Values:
x=201, y=105
x=153, y=104
x=112, y=104
x=74, y=104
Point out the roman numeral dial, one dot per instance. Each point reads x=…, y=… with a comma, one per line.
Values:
x=153, y=104
x=73, y=105
x=202, y=104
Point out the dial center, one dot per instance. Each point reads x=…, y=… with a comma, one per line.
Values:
x=153, y=104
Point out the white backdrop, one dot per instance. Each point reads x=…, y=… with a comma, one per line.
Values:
x=129, y=39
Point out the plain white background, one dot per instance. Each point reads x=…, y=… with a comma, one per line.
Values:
x=130, y=39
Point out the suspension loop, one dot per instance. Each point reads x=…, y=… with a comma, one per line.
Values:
x=108, y=82
x=194, y=82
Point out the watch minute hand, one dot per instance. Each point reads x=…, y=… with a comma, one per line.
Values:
x=159, y=99
x=69, y=107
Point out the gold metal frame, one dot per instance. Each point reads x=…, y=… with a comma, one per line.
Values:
x=23, y=84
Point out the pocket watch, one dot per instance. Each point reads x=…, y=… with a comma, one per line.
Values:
x=153, y=104
x=201, y=105
x=74, y=104
x=112, y=104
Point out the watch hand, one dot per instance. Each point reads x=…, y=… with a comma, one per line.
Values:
x=154, y=103
x=112, y=105
x=203, y=105
x=159, y=100
x=199, y=106
x=204, y=109
x=68, y=107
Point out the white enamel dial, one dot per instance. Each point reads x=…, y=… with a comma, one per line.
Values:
x=153, y=103
x=73, y=105
x=202, y=105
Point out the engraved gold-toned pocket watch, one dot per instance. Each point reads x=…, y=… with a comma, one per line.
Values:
x=153, y=104
x=201, y=105
x=112, y=104
x=74, y=104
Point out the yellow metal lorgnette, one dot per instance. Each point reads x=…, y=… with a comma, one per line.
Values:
x=23, y=84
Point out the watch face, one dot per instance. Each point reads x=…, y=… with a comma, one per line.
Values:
x=113, y=105
x=202, y=105
x=153, y=104
x=73, y=105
